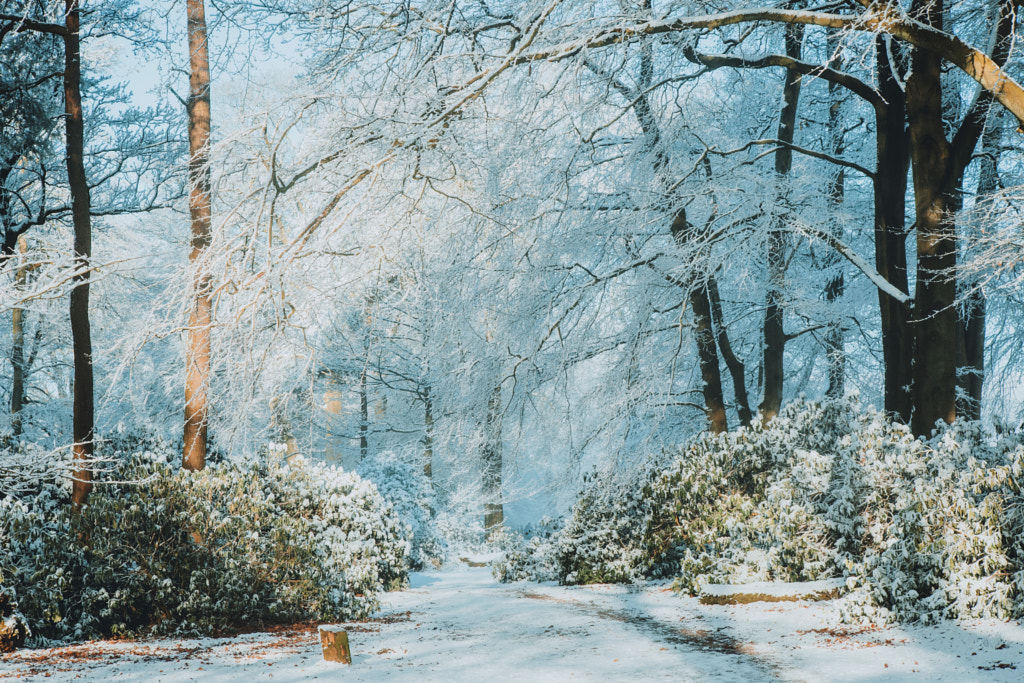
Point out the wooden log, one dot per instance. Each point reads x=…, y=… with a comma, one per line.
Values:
x=334, y=640
x=771, y=591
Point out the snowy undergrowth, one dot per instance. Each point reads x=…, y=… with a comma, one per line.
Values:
x=163, y=550
x=921, y=529
x=402, y=482
x=446, y=525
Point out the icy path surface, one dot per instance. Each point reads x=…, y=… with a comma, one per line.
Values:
x=462, y=626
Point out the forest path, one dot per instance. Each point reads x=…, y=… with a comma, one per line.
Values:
x=460, y=625
x=463, y=623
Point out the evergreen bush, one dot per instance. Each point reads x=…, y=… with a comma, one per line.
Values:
x=163, y=550
x=920, y=529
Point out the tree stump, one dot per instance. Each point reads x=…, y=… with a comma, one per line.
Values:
x=334, y=640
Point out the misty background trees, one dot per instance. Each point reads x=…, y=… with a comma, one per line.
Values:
x=509, y=241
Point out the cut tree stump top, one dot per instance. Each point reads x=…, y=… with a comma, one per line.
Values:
x=334, y=640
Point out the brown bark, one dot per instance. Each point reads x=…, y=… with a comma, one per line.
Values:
x=934, y=312
x=890, y=185
x=197, y=352
x=494, y=513
x=704, y=336
x=774, y=332
x=890, y=188
x=939, y=166
x=78, y=185
x=735, y=366
x=711, y=375
x=682, y=233
x=971, y=373
x=335, y=646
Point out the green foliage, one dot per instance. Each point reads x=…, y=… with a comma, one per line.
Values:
x=162, y=550
x=921, y=530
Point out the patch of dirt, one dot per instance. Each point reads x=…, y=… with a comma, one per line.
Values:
x=285, y=638
x=373, y=625
x=540, y=596
x=74, y=657
x=747, y=598
x=849, y=636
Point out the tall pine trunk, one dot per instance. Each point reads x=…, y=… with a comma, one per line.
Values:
x=197, y=352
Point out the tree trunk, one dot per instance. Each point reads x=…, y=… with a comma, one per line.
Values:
x=836, y=189
x=364, y=417
x=494, y=514
x=971, y=370
x=682, y=232
x=18, y=368
x=890, y=189
x=428, y=434
x=736, y=370
x=774, y=332
x=935, y=295
x=704, y=336
x=197, y=353
x=74, y=122
x=711, y=375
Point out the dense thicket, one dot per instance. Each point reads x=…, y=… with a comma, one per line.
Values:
x=920, y=529
x=160, y=549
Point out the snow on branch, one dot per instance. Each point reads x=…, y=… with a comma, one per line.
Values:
x=862, y=265
x=879, y=18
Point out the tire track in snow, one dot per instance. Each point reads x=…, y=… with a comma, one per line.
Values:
x=717, y=642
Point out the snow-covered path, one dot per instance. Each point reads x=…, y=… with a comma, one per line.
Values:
x=462, y=626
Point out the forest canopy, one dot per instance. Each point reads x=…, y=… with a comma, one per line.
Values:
x=504, y=242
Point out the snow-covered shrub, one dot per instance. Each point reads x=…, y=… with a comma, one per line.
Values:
x=461, y=526
x=605, y=540
x=404, y=484
x=25, y=467
x=944, y=522
x=529, y=554
x=921, y=529
x=159, y=549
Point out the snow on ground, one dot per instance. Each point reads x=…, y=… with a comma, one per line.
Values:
x=460, y=625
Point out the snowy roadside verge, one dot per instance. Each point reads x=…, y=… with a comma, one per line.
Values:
x=460, y=625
